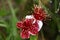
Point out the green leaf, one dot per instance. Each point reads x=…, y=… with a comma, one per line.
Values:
x=13, y=20
x=33, y=37
x=3, y=23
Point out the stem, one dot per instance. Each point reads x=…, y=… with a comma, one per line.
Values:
x=42, y=35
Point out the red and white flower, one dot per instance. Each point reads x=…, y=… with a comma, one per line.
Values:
x=32, y=24
x=29, y=26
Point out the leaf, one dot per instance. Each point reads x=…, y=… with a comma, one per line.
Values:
x=33, y=37
x=13, y=20
x=3, y=23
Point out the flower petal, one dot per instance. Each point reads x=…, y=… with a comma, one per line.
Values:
x=39, y=13
x=34, y=29
x=25, y=34
x=28, y=21
x=29, y=17
x=40, y=23
x=20, y=24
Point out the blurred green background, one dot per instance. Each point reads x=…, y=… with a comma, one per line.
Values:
x=12, y=11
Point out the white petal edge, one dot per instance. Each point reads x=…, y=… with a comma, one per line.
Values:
x=29, y=17
x=40, y=23
x=34, y=21
x=31, y=33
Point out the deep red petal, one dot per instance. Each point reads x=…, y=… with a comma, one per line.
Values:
x=36, y=10
x=34, y=29
x=28, y=22
x=25, y=34
x=20, y=25
x=39, y=13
